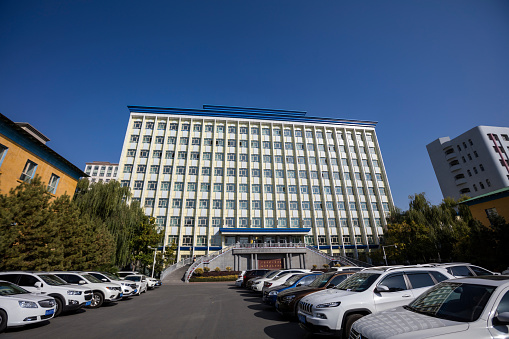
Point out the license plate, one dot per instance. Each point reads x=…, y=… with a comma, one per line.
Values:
x=136, y=290
x=302, y=318
x=48, y=312
x=121, y=295
x=88, y=303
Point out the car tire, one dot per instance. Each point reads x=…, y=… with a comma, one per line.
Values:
x=97, y=300
x=3, y=320
x=59, y=306
x=349, y=322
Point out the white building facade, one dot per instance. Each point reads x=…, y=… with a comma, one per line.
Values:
x=101, y=171
x=222, y=175
x=472, y=164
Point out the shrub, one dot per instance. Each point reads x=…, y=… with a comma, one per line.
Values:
x=198, y=272
x=314, y=267
x=217, y=269
x=228, y=268
x=337, y=265
x=325, y=266
x=206, y=269
x=213, y=279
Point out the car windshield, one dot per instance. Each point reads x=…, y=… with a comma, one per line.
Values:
x=51, y=279
x=281, y=275
x=270, y=274
x=11, y=289
x=110, y=276
x=293, y=279
x=453, y=301
x=321, y=280
x=133, y=278
x=91, y=278
x=358, y=282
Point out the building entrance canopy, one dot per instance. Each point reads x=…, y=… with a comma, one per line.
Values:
x=263, y=236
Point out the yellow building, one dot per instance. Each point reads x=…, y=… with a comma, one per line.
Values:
x=493, y=203
x=24, y=154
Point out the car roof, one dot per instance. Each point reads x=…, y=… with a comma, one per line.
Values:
x=401, y=268
x=490, y=280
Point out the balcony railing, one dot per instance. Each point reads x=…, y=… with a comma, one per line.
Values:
x=270, y=245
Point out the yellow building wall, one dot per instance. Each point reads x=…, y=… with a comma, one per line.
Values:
x=14, y=163
x=501, y=205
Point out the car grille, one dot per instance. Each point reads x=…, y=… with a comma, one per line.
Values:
x=356, y=335
x=47, y=303
x=88, y=295
x=133, y=286
x=305, y=307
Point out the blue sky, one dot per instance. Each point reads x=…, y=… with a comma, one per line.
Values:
x=422, y=69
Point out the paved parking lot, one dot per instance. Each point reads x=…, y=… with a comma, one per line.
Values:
x=196, y=310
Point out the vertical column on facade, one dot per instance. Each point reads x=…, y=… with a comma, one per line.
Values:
x=275, y=215
x=330, y=170
x=250, y=194
x=351, y=229
x=173, y=192
x=340, y=183
x=297, y=177
x=199, y=179
x=310, y=184
x=159, y=178
x=211, y=211
x=286, y=179
x=262, y=174
x=384, y=178
x=360, y=214
x=224, y=211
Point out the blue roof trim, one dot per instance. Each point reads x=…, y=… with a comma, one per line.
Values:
x=252, y=110
x=498, y=194
x=249, y=115
x=215, y=248
x=264, y=230
x=28, y=142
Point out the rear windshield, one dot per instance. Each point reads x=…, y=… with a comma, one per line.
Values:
x=359, y=282
x=51, y=279
x=11, y=289
x=271, y=274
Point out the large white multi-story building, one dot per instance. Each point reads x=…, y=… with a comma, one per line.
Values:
x=222, y=175
x=101, y=171
x=474, y=163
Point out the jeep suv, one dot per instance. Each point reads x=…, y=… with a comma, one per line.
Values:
x=333, y=311
x=67, y=297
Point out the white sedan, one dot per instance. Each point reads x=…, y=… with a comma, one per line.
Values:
x=140, y=280
x=19, y=307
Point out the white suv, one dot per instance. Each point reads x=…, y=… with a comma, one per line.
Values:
x=333, y=311
x=260, y=283
x=67, y=297
x=128, y=288
x=476, y=307
x=103, y=292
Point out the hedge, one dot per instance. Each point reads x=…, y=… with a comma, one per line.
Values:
x=212, y=278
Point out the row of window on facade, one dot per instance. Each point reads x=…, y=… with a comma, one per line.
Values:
x=481, y=185
x=254, y=144
x=149, y=125
x=29, y=170
x=269, y=222
x=201, y=240
x=94, y=171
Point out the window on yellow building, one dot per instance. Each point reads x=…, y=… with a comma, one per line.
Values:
x=29, y=171
x=53, y=183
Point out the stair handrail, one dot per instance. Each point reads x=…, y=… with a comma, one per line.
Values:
x=175, y=267
x=205, y=259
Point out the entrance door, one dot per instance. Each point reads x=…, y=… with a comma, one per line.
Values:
x=271, y=264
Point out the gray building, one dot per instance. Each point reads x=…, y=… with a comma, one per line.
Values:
x=101, y=171
x=474, y=163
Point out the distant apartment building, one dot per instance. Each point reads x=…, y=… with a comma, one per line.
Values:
x=220, y=175
x=101, y=171
x=472, y=164
x=486, y=206
x=24, y=154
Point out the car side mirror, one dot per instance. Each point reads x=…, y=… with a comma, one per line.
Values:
x=331, y=286
x=382, y=288
x=38, y=284
x=502, y=318
x=104, y=279
x=299, y=284
x=82, y=282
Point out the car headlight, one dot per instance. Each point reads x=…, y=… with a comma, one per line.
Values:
x=71, y=292
x=273, y=292
x=27, y=304
x=327, y=305
x=288, y=298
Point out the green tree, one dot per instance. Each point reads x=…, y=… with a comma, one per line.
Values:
x=145, y=235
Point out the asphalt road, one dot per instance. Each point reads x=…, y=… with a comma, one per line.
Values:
x=195, y=310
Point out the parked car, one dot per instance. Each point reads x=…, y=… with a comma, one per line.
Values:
x=151, y=282
x=333, y=311
x=258, y=280
x=347, y=268
x=476, y=307
x=294, y=280
x=67, y=297
x=253, y=274
x=103, y=291
x=19, y=307
x=280, y=278
x=460, y=270
x=123, y=274
x=128, y=288
x=140, y=280
x=258, y=284
x=240, y=279
x=288, y=301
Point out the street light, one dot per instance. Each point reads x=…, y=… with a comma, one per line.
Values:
x=154, y=263
x=385, y=256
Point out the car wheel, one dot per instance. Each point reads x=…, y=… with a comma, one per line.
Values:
x=3, y=320
x=349, y=322
x=59, y=304
x=97, y=300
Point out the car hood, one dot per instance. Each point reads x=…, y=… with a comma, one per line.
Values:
x=329, y=295
x=26, y=296
x=398, y=321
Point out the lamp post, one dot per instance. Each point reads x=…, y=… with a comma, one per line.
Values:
x=385, y=256
x=154, y=263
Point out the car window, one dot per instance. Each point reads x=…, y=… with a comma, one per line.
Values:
x=480, y=271
x=307, y=280
x=420, y=279
x=321, y=280
x=503, y=306
x=394, y=282
x=337, y=279
x=70, y=278
x=13, y=278
x=7, y=288
x=51, y=279
x=27, y=280
x=91, y=278
x=460, y=271
x=358, y=282
x=438, y=276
